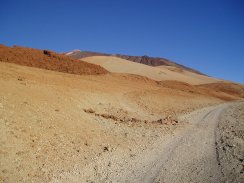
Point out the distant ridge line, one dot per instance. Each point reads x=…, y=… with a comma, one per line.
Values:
x=147, y=60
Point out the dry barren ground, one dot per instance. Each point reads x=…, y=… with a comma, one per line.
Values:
x=58, y=127
x=196, y=155
x=230, y=143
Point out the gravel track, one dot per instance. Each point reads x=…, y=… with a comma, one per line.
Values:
x=190, y=155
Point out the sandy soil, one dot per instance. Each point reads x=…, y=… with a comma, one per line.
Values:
x=59, y=127
x=118, y=65
x=46, y=133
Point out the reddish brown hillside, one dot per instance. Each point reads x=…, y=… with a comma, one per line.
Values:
x=223, y=91
x=47, y=60
x=229, y=88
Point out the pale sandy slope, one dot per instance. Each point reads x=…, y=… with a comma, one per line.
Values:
x=118, y=65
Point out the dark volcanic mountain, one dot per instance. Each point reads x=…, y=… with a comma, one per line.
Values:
x=156, y=61
x=151, y=61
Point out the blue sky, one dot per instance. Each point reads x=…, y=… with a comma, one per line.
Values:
x=207, y=35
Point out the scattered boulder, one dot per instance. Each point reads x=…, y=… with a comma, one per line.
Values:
x=46, y=52
x=168, y=120
x=108, y=116
x=20, y=79
x=107, y=148
x=89, y=110
x=135, y=120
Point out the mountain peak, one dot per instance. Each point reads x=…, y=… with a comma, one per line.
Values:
x=73, y=52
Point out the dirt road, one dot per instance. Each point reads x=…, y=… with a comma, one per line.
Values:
x=193, y=156
x=190, y=155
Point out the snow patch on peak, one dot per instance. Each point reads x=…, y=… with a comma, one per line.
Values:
x=71, y=52
x=76, y=50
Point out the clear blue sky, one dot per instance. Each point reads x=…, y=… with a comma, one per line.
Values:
x=207, y=35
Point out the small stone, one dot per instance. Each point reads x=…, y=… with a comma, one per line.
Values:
x=107, y=148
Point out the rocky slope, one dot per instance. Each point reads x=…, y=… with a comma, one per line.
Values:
x=47, y=60
x=230, y=146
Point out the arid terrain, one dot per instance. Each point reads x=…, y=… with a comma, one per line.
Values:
x=118, y=65
x=146, y=60
x=66, y=120
x=230, y=148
